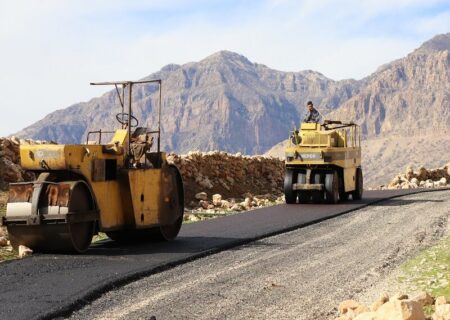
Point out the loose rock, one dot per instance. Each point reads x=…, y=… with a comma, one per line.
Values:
x=217, y=200
x=24, y=251
x=424, y=298
x=3, y=242
x=423, y=178
x=201, y=196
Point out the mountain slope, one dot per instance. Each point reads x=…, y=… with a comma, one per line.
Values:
x=408, y=96
x=223, y=102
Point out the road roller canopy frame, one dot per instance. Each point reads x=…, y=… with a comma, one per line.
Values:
x=126, y=119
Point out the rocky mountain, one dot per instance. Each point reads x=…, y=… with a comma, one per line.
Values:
x=409, y=96
x=224, y=102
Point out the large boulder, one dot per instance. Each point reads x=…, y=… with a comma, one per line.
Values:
x=400, y=310
x=424, y=298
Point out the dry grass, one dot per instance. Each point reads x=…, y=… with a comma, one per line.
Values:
x=430, y=270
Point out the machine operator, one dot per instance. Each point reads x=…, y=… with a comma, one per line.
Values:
x=312, y=115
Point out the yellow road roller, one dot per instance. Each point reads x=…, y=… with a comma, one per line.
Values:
x=124, y=187
x=323, y=163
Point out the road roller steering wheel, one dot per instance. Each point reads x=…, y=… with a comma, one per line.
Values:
x=122, y=117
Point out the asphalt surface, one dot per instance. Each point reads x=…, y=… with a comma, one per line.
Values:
x=300, y=275
x=49, y=286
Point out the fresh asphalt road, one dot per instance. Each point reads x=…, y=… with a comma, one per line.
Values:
x=48, y=286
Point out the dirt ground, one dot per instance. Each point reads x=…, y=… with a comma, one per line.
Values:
x=302, y=274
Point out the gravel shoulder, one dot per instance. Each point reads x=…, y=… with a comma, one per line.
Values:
x=302, y=274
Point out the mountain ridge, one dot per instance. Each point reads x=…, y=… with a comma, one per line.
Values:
x=229, y=103
x=225, y=91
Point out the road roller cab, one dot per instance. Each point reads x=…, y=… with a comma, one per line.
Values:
x=323, y=163
x=124, y=187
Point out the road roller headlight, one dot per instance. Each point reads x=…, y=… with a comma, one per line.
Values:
x=290, y=156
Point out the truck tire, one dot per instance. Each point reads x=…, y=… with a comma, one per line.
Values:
x=343, y=196
x=332, y=187
x=290, y=177
x=316, y=195
x=303, y=195
x=357, y=194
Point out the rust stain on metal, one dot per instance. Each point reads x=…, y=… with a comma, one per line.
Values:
x=58, y=194
x=64, y=194
x=20, y=192
x=52, y=194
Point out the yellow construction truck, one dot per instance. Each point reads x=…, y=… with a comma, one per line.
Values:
x=323, y=163
x=124, y=187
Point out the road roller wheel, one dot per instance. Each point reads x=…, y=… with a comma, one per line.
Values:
x=332, y=187
x=343, y=196
x=317, y=195
x=290, y=177
x=58, y=237
x=357, y=194
x=303, y=195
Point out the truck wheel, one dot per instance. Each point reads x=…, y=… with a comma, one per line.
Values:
x=316, y=195
x=332, y=187
x=290, y=177
x=343, y=196
x=303, y=195
x=357, y=194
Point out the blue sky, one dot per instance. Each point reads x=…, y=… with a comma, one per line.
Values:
x=51, y=49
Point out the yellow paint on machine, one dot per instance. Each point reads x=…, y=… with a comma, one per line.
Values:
x=39, y=157
x=146, y=194
x=132, y=199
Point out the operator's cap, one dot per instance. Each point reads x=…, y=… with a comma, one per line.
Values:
x=309, y=103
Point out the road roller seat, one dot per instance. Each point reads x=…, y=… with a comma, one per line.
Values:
x=342, y=138
x=141, y=142
x=310, y=126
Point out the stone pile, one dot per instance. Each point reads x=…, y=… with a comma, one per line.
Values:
x=10, y=169
x=204, y=207
x=399, y=307
x=422, y=178
x=228, y=175
x=5, y=245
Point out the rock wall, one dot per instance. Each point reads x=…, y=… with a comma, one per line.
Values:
x=230, y=175
x=10, y=169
